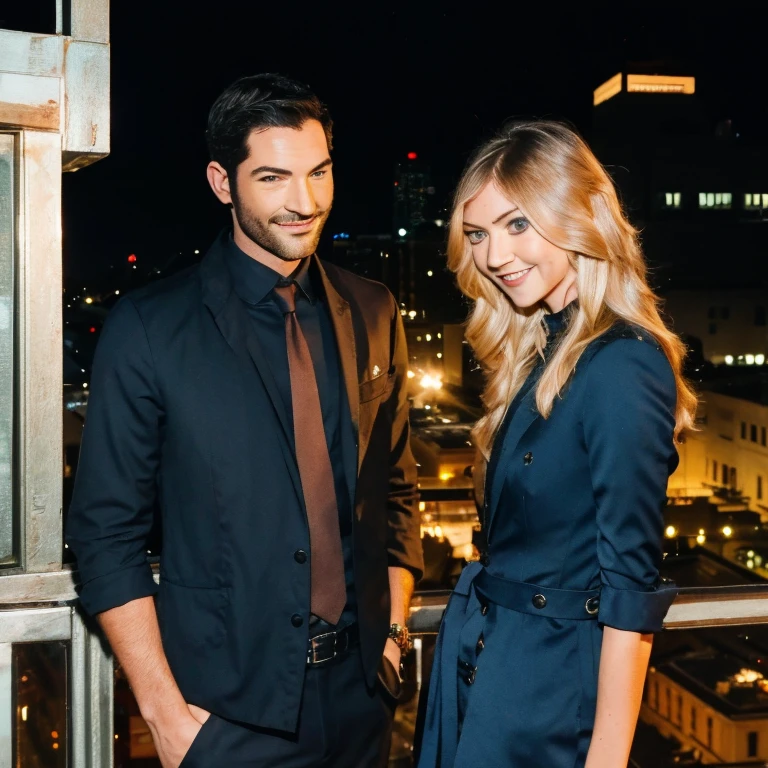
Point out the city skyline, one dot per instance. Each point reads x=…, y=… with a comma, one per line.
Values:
x=397, y=80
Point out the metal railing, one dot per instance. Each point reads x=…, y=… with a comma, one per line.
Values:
x=43, y=607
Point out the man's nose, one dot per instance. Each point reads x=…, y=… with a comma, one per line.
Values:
x=300, y=199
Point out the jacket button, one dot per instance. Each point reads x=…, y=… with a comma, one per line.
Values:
x=484, y=609
x=539, y=601
x=480, y=645
x=297, y=620
x=528, y=458
x=300, y=556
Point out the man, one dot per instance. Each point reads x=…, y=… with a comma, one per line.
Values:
x=258, y=401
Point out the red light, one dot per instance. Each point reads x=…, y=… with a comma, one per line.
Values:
x=412, y=155
x=93, y=330
x=397, y=183
x=132, y=258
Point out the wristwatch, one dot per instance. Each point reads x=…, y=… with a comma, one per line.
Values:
x=402, y=638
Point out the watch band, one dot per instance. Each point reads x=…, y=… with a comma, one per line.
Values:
x=401, y=636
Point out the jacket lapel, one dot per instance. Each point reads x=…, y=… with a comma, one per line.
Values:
x=522, y=419
x=341, y=318
x=232, y=321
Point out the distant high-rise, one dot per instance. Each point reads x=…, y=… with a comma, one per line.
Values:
x=695, y=186
x=412, y=191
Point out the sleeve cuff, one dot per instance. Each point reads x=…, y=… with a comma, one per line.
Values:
x=416, y=568
x=118, y=588
x=635, y=611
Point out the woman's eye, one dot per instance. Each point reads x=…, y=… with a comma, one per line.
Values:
x=518, y=225
x=475, y=237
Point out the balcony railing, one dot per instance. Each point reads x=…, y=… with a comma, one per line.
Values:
x=43, y=607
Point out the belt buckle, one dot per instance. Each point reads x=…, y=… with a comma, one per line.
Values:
x=312, y=651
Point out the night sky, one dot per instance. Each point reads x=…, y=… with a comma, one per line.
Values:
x=396, y=79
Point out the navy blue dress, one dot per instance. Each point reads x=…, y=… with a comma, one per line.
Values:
x=573, y=509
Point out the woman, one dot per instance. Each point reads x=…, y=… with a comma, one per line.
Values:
x=545, y=644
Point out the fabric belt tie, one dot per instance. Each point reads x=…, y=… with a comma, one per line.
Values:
x=536, y=600
x=328, y=588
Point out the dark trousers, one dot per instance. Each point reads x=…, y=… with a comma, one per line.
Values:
x=342, y=724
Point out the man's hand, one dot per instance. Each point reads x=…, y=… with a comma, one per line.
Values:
x=173, y=734
x=392, y=653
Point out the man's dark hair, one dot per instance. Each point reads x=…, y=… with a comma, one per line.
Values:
x=259, y=102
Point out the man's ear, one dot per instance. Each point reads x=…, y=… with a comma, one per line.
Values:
x=218, y=178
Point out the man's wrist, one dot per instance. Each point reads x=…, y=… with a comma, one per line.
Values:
x=399, y=634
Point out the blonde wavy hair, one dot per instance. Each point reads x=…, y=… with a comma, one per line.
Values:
x=567, y=196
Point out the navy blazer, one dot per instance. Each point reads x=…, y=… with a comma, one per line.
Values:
x=184, y=417
x=575, y=503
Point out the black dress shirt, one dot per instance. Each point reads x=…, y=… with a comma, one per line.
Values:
x=254, y=283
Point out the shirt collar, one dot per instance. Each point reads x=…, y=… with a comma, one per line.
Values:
x=303, y=279
x=254, y=281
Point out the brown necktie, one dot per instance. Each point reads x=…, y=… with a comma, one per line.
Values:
x=328, y=594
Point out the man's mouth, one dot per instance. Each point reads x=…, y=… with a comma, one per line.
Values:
x=297, y=226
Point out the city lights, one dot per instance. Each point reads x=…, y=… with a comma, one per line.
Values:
x=759, y=359
x=412, y=314
x=429, y=273
x=402, y=232
x=431, y=382
x=88, y=300
x=727, y=531
x=729, y=359
x=701, y=539
x=410, y=374
x=749, y=359
x=428, y=337
x=670, y=532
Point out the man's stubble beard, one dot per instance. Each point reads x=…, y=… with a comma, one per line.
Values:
x=258, y=232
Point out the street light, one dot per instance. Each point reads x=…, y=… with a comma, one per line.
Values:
x=670, y=532
x=402, y=232
x=727, y=531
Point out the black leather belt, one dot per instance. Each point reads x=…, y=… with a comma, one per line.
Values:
x=328, y=645
x=535, y=600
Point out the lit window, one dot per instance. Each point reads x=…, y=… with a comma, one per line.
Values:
x=672, y=199
x=715, y=199
x=755, y=200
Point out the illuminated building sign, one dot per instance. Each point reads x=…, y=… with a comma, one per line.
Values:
x=643, y=84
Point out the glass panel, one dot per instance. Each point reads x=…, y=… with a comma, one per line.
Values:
x=39, y=17
x=40, y=704
x=7, y=240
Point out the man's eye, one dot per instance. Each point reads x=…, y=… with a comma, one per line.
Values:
x=319, y=174
x=269, y=178
x=518, y=225
x=475, y=237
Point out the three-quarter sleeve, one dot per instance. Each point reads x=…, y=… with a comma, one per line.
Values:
x=112, y=508
x=629, y=420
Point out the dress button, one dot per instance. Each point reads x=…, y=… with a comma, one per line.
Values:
x=528, y=458
x=297, y=620
x=300, y=556
x=480, y=645
x=539, y=601
x=484, y=609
